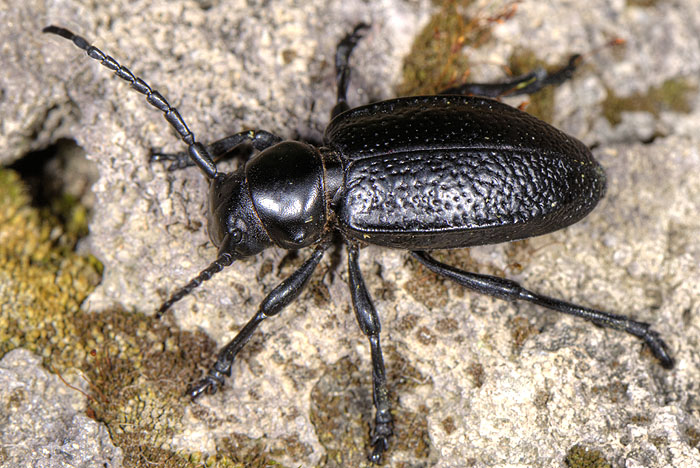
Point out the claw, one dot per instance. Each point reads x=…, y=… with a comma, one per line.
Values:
x=380, y=439
x=162, y=157
x=178, y=160
x=380, y=445
x=208, y=385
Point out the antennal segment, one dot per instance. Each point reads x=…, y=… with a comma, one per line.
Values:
x=197, y=152
x=217, y=265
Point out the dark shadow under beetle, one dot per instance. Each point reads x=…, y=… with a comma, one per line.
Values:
x=414, y=173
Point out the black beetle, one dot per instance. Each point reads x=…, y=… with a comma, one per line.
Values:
x=414, y=173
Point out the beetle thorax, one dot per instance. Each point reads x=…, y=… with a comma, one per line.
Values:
x=286, y=189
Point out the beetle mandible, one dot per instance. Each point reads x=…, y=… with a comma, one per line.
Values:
x=414, y=173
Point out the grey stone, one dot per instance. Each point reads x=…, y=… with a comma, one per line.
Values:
x=43, y=422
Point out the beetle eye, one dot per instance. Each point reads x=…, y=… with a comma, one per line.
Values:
x=235, y=235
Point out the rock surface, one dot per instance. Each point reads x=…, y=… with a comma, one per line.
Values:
x=43, y=421
x=475, y=381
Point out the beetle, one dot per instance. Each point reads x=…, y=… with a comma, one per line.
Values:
x=418, y=173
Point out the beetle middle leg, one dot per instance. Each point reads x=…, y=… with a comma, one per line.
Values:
x=368, y=320
x=502, y=288
x=525, y=84
x=278, y=299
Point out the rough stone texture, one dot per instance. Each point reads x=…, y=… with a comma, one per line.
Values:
x=497, y=384
x=43, y=421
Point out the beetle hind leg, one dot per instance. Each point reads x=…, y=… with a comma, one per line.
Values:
x=502, y=288
x=525, y=84
x=342, y=67
x=368, y=320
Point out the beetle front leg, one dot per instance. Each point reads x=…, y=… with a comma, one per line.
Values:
x=220, y=149
x=369, y=324
x=278, y=299
x=510, y=290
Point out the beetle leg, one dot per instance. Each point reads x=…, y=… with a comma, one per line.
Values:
x=524, y=84
x=278, y=299
x=342, y=67
x=368, y=320
x=221, y=149
x=510, y=290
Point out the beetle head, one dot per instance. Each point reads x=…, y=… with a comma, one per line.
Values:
x=233, y=224
x=234, y=227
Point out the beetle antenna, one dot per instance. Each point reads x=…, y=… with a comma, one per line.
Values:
x=196, y=150
x=217, y=265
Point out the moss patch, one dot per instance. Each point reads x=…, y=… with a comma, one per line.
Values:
x=137, y=368
x=436, y=60
x=43, y=282
x=579, y=456
x=675, y=95
x=693, y=436
x=642, y=3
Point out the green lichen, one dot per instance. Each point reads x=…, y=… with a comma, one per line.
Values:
x=136, y=367
x=675, y=95
x=580, y=456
